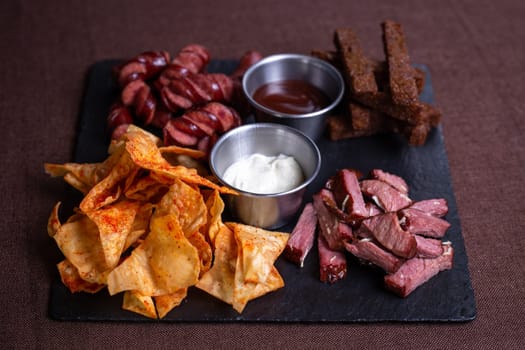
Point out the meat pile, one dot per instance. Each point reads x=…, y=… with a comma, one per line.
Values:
x=374, y=220
x=383, y=95
x=191, y=106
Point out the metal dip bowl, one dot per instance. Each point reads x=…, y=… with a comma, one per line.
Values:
x=311, y=70
x=274, y=210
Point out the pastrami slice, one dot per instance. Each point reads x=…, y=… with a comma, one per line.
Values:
x=387, y=231
x=302, y=237
x=367, y=250
x=332, y=263
x=414, y=272
x=420, y=223
x=347, y=193
x=385, y=196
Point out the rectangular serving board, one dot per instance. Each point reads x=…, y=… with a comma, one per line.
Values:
x=360, y=297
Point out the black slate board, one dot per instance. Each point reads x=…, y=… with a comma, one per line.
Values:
x=358, y=298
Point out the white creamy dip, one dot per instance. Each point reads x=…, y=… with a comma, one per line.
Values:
x=262, y=174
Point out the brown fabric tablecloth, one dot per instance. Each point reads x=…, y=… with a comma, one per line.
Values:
x=474, y=49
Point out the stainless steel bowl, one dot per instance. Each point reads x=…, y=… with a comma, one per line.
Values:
x=268, y=211
x=295, y=67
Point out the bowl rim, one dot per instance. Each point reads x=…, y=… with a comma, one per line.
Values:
x=295, y=57
x=287, y=129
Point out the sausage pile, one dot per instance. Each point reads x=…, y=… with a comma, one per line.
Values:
x=190, y=105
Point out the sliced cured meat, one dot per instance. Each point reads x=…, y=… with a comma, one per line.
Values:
x=302, y=238
x=387, y=231
x=145, y=104
x=248, y=59
x=173, y=136
x=161, y=118
x=420, y=223
x=329, y=201
x=206, y=143
x=227, y=117
x=347, y=194
x=194, y=116
x=118, y=115
x=393, y=180
x=333, y=231
x=223, y=87
x=416, y=271
x=195, y=89
x=172, y=101
x=428, y=247
x=385, y=196
x=372, y=209
x=131, y=71
x=191, y=59
x=144, y=66
x=130, y=91
x=435, y=207
x=367, y=250
x=332, y=263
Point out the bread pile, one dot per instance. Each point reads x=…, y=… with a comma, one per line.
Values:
x=383, y=96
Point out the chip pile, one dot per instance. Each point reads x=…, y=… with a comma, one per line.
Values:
x=152, y=228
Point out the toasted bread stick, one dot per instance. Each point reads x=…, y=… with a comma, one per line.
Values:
x=357, y=67
x=380, y=69
x=403, y=86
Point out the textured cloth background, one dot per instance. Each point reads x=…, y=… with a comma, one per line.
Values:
x=474, y=49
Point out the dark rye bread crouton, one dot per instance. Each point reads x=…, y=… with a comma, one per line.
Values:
x=403, y=86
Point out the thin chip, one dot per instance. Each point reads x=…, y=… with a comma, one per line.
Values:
x=72, y=280
x=165, y=262
x=259, y=249
x=138, y=303
x=214, y=224
x=219, y=280
x=79, y=241
x=114, y=223
x=187, y=203
x=146, y=154
x=107, y=190
x=166, y=303
x=193, y=153
x=204, y=250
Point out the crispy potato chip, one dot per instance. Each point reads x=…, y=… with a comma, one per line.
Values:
x=72, y=280
x=219, y=280
x=255, y=274
x=107, y=190
x=165, y=262
x=193, y=153
x=204, y=250
x=114, y=224
x=135, y=130
x=146, y=154
x=84, y=176
x=144, y=188
x=79, y=241
x=236, y=257
x=259, y=249
x=53, y=223
x=166, y=303
x=214, y=224
x=140, y=224
x=187, y=203
x=245, y=291
x=141, y=304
